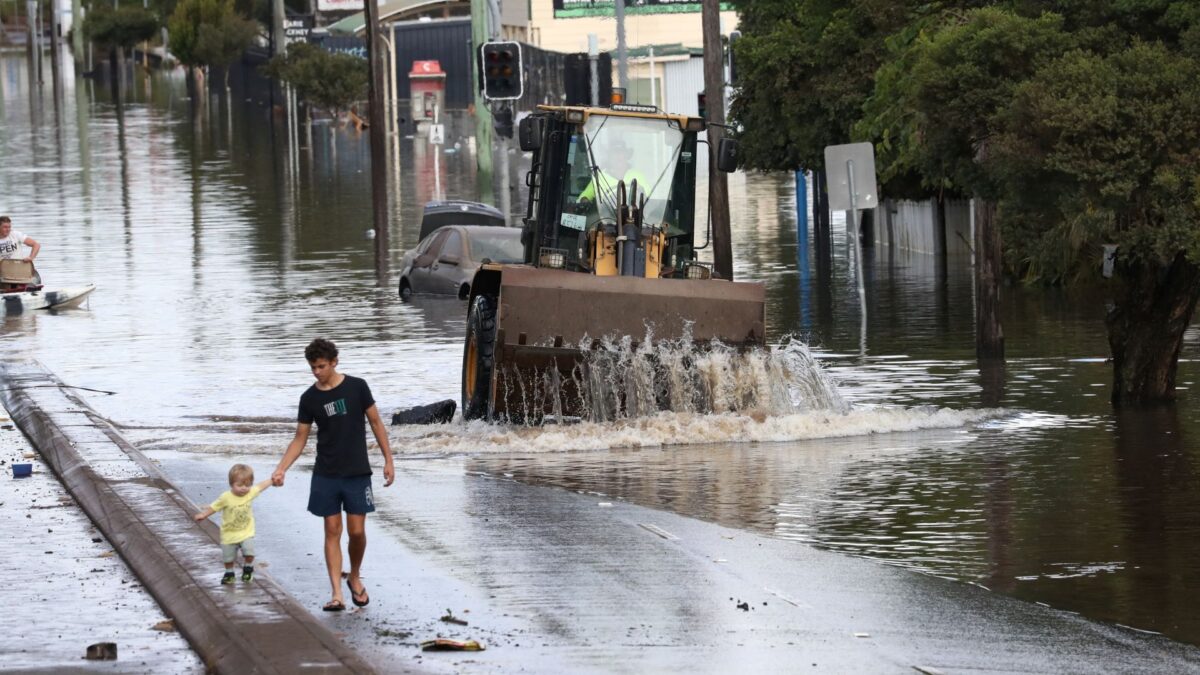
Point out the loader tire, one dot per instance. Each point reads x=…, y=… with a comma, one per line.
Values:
x=479, y=358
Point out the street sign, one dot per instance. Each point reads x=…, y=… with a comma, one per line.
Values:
x=839, y=161
x=343, y=5
x=437, y=134
x=297, y=29
x=570, y=9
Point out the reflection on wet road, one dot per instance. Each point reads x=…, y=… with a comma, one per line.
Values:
x=216, y=264
x=554, y=580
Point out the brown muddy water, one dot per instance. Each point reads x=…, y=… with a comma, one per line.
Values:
x=218, y=258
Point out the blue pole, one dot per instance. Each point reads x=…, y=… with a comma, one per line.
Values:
x=802, y=242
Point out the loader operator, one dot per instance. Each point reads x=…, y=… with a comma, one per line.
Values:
x=617, y=161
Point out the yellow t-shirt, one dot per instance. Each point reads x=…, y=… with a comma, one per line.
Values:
x=237, y=518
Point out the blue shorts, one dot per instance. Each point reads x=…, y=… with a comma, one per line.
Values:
x=330, y=495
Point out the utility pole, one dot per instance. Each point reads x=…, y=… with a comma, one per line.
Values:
x=594, y=67
x=989, y=332
x=278, y=46
x=483, y=116
x=377, y=130
x=622, y=52
x=77, y=34
x=54, y=74
x=278, y=15
x=504, y=111
x=714, y=95
x=32, y=42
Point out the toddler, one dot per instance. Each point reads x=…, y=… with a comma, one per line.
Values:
x=237, y=520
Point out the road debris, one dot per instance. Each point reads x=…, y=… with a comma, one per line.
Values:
x=450, y=618
x=445, y=645
x=102, y=651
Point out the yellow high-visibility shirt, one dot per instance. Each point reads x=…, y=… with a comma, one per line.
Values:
x=608, y=184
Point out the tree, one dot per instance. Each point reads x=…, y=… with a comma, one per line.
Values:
x=934, y=112
x=122, y=27
x=326, y=80
x=805, y=69
x=119, y=29
x=1105, y=149
x=935, y=105
x=209, y=33
x=1079, y=122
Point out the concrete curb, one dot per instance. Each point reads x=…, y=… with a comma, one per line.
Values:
x=259, y=629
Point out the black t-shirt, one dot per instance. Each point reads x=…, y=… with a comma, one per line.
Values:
x=341, y=417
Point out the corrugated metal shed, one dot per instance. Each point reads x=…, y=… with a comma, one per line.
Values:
x=684, y=80
x=448, y=43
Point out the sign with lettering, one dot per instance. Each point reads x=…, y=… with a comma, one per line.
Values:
x=297, y=28
x=573, y=9
x=342, y=5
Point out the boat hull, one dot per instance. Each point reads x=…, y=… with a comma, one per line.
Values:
x=19, y=303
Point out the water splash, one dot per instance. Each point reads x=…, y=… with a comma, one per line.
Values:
x=617, y=378
x=672, y=429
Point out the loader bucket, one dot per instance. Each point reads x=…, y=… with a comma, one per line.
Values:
x=544, y=319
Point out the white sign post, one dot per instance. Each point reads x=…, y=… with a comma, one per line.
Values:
x=437, y=134
x=851, y=172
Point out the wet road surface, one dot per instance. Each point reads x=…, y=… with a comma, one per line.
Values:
x=552, y=580
x=65, y=588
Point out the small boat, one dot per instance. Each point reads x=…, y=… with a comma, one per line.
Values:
x=17, y=302
x=21, y=290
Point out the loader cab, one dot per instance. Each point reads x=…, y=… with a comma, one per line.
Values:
x=595, y=170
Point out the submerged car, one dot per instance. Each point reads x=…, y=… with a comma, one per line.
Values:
x=445, y=261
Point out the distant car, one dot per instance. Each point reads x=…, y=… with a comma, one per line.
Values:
x=445, y=261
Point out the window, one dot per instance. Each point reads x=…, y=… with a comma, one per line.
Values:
x=452, y=245
x=626, y=149
x=499, y=246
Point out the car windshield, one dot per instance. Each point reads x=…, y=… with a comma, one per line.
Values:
x=499, y=246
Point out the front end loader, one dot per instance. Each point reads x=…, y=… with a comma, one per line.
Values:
x=611, y=249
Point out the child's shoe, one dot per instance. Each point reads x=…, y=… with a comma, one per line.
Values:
x=228, y=578
x=247, y=573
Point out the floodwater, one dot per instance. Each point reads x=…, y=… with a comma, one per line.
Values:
x=218, y=256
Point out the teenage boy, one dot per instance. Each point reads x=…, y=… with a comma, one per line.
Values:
x=341, y=405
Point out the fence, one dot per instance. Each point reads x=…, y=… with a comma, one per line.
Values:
x=912, y=226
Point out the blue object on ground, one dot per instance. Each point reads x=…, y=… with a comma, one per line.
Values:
x=22, y=470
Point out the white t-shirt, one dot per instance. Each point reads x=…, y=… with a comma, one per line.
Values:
x=10, y=246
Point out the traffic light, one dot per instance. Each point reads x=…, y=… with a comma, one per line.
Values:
x=702, y=106
x=502, y=121
x=502, y=72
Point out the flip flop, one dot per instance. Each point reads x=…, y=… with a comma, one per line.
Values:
x=334, y=606
x=355, y=595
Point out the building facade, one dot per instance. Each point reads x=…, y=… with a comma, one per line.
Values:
x=564, y=25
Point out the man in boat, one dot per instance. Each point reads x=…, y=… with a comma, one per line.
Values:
x=10, y=246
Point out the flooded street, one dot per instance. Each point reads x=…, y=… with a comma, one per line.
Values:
x=216, y=263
